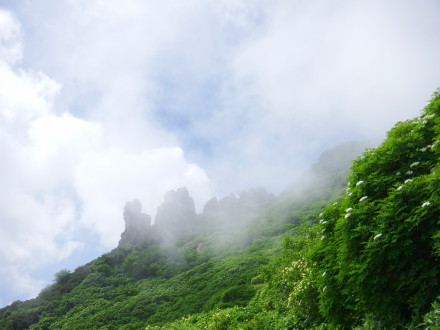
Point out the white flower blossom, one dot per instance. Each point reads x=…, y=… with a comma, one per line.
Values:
x=323, y=274
x=350, y=194
x=359, y=183
x=398, y=173
x=321, y=214
x=363, y=198
x=324, y=222
x=335, y=203
x=425, y=204
x=348, y=210
x=414, y=164
x=347, y=215
x=400, y=187
x=322, y=238
x=409, y=172
x=348, y=183
x=422, y=149
x=377, y=236
x=407, y=180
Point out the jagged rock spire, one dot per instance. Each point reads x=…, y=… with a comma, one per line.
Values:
x=137, y=225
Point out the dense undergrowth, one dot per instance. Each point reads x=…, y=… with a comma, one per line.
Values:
x=360, y=255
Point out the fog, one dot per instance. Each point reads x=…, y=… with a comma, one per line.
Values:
x=102, y=102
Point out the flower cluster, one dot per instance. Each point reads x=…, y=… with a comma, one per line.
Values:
x=377, y=236
x=425, y=204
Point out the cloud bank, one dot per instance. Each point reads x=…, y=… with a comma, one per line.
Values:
x=102, y=102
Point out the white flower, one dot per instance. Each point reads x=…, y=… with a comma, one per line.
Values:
x=324, y=222
x=322, y=231
x=400, y=187
x=348, y=210
x=348, y=183
x=363, y=198
x=377, y=236
x=409, y=172
x=350, y=194
x=359, y=183
x=398, y=173
x=414, y=164
x=425, y=204
x=320, y=214
x=407, y=180
x=422, y=149
x=335, y=203
x=347, y=215
x=322, y=238
x=325, y=288
x=347, y=190
x=323, y=274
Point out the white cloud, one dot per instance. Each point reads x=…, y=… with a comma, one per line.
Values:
x=10, y=38
x=319, y=73
x=24, y=96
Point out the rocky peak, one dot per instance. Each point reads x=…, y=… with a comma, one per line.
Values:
x=137, y=225
x=177, y=209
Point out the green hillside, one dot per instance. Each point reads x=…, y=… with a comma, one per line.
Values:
x=324, y=254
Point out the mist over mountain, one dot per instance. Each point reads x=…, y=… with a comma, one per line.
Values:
x=102, y=102
x=329, y=171
x=157, y=164
x=325, y=253
x=232, y=215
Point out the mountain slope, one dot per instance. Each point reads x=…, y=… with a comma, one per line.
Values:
x=372, y=258
x=327, y=255
x=184, y=264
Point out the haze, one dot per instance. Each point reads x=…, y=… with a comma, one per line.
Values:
x=105, y=101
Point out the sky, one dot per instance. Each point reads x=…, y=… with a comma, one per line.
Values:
x=102, y=102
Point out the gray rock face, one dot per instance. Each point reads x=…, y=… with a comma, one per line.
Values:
x=137, y=225
x=177, y=210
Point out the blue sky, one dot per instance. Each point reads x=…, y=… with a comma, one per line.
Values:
x=105, y=101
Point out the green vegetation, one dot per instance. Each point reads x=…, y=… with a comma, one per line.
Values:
x=367, y=257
